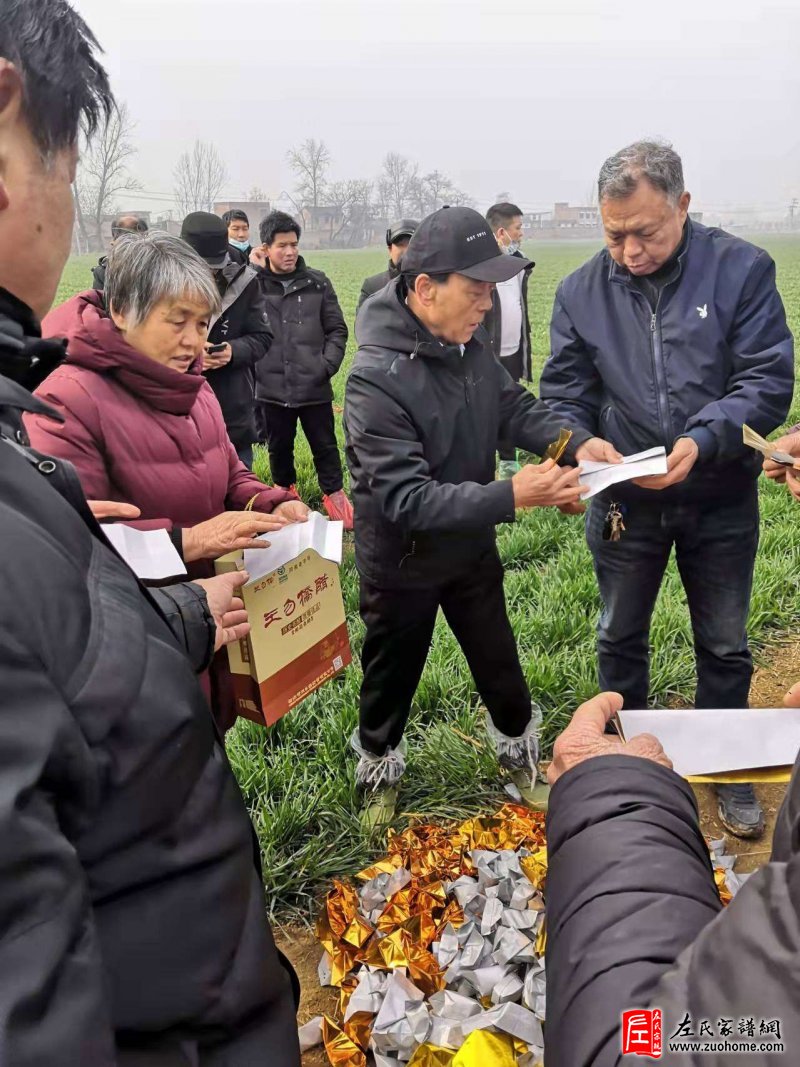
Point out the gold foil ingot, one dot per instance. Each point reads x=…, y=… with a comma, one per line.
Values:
x=342, y=1050
x=534, y=867
x=358, y=932
x=431, y=1056
x=557, y=449
x=482, y=1048
x=541, y=941
x=359, y=1027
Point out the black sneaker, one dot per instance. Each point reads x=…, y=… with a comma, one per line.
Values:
x=739, y=811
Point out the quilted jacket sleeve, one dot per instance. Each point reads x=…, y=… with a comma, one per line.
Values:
x=634, y=919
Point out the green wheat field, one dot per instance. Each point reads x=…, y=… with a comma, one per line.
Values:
x=297, y=777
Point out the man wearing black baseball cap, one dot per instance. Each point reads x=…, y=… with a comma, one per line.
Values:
x=239, y=337
x=397, y=237
x=426, y=403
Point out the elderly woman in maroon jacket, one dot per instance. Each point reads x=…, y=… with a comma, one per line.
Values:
x=142, y=425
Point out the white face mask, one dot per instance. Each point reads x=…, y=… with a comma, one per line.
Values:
x=511, y=248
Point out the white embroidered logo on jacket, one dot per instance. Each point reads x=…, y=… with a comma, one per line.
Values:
x=703, y=311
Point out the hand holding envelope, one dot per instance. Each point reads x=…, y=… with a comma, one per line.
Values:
x=596, y=477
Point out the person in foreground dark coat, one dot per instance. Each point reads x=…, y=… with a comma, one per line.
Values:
x=634, y=920
x=397, y=238
x=133, y=928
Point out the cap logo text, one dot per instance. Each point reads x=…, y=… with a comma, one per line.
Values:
x=475, y=236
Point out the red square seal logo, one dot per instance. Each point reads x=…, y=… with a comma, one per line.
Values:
x=642, y=1032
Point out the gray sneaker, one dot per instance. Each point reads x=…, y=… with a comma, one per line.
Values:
x=739, y=811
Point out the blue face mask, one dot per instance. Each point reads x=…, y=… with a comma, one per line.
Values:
x=241, y=245
x=511, y=248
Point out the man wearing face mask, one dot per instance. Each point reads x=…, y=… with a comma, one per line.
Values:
x=238, y=235
x=674, y=335
x=508, y=323
x=239, y=337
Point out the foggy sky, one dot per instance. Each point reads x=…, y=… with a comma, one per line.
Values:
x=523, y=96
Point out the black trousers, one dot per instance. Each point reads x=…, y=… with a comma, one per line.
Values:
x=515, y=365
x=715, y=549
x=280, y=427
x=399, y=630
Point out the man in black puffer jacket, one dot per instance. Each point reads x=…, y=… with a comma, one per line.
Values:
x=133, y=928
x=241, y=332
x=426, y=400
x=293, y=384
x=635, y=923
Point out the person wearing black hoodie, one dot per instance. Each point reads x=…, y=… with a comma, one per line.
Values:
x=239, y=337
x=425, y=402
x=397, y=237
x=133, y=925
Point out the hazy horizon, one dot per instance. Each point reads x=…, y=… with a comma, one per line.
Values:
x=504, y=96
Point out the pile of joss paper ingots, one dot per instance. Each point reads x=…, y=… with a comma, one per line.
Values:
x=439, y=955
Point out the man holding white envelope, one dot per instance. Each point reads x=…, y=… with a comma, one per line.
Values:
x=673, y=336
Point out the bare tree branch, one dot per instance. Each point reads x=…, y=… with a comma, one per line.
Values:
x=199, y=178
x=103, y=172
x=352, y=199
x=400, y=175
x=310, y=162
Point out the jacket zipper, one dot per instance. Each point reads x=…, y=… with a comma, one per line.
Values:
x=660, y=374
x=408, y=555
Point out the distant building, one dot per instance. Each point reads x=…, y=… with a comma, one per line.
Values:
x=537, y=220
x=321, y=225
x=565, y=216
x=167, y=224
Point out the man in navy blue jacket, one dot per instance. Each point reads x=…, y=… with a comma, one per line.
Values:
x=674, y=335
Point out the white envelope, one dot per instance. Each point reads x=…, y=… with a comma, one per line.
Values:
x=286, y=544
x=712, y=741
x=150, y=554
x=598, y=476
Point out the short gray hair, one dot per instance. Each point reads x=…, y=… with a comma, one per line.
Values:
x=657, y=161
x=144, y=269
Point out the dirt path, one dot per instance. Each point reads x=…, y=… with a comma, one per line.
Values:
x=302, y=948
x=780, y=669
